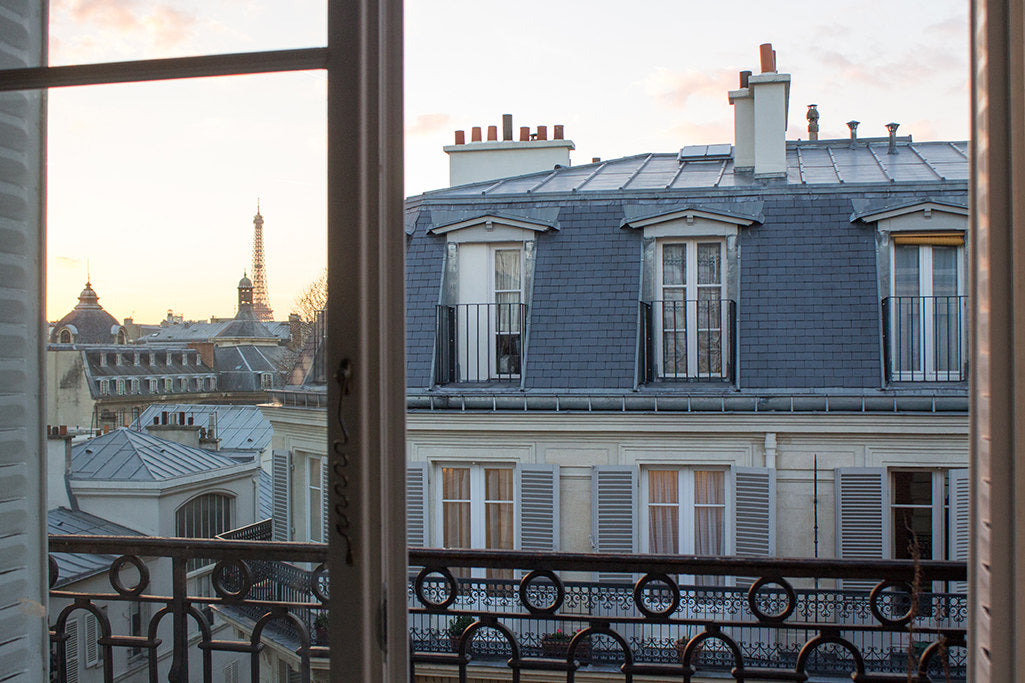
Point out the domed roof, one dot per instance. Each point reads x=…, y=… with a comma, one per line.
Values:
x=88, y=322
x=245, y=283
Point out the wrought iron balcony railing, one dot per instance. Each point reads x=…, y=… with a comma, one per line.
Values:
x=925, y=338
x=691, y=340
x=793, y=622
x=479, y=342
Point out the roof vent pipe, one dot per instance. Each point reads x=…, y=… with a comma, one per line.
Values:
x=853, y=125
x=813, y=122
x=892, y=128
x=507, y=127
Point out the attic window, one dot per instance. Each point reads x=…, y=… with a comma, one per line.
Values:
x=704, y=153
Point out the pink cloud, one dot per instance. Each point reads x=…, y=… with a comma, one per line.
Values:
x=427, y=124
x=675, y=88
x=163, y=25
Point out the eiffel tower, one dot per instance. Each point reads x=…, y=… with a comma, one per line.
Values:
x=261, y=302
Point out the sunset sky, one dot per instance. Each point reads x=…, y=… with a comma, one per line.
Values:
x=155, y=185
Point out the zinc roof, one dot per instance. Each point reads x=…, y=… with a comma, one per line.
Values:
x=130, y=455
x=75, y=566
x=240, y=428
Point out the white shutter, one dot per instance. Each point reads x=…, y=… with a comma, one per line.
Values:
x=325, y=497
x=959, y=520
x=754, y=511
x=614, y=509
x=231, y=672
x=416, y=504
x=281, y=496
x=71, y=650
x=537, y=500
x=92, y=636
x=862, y=503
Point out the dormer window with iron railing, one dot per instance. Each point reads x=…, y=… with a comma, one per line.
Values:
x=481, y=324
x=689, y=332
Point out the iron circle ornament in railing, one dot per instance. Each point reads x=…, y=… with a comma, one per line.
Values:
x=450, y=580
x=877, y=594
x=317, y=579
x=54, y=572
x=115, y=575
x=220, y=576
x=555, y=604
x=939, y=647
x=644, y=582
x=777, y=617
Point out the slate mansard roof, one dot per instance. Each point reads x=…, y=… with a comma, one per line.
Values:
x=808, y=307
x=239, y=428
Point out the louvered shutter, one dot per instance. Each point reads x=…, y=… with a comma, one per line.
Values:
x=959, y=520
x=862, y=501
x=325, y=497
x=614, y=511
x=416, y=504
x=92, y=645
x=537, y=497
x=71, y=650
x=754, y=500
x=231, y=672
x=281, y=496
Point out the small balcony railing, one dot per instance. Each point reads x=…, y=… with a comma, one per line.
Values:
x=796, y=621
x=925, y=338
x=479, y=342
x=693, y=340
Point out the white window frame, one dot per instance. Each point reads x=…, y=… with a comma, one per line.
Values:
x=120, y=384
x=314, y=499
x=477, y=500
x=939, y=506
x=926, y=367
x=690, y=289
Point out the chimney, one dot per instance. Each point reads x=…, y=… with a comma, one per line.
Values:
x=813, y=122
x=760, y=119
x=853, y=125
x=892, y=129
x=460, y=137
x=490, y=159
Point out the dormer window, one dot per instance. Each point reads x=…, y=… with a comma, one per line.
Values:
x=65, y=336
x=924, y=306
x=688, y=299
x=482, y=322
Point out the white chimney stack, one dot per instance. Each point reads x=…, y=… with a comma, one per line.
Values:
x=760, y=119
x=490, y=159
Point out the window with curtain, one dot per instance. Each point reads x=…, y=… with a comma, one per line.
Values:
x=686, y=512
x=478, y=509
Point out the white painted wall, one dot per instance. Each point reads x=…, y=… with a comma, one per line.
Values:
x=478, y=161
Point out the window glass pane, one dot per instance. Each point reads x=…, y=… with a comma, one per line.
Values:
x=507, y=269
x=912, y=488
x=709, y=488
x=674, y=270
x=89, y=31
x=499, y=525
x=663, y=529
x=905, y=270
x=456, y=523
x=663, y=486
x=709, y=263
x=455, y=483
x=498, y=484
x=944, y=271
x=911, y=525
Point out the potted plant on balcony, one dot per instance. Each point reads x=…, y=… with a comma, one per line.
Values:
x=556, y=645
x=681, y=646
x=320, y=636
x=456, y=627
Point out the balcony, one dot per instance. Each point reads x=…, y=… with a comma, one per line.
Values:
x=692, y=340
x=671, y=617
x=925, y=338
x=479, y=342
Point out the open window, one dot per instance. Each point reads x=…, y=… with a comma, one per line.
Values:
x=923, y=269
x=481, y=323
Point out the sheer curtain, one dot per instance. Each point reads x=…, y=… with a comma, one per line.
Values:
x=709, y=512
x=455, y=497
x=498, y=514
x=663, y=511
